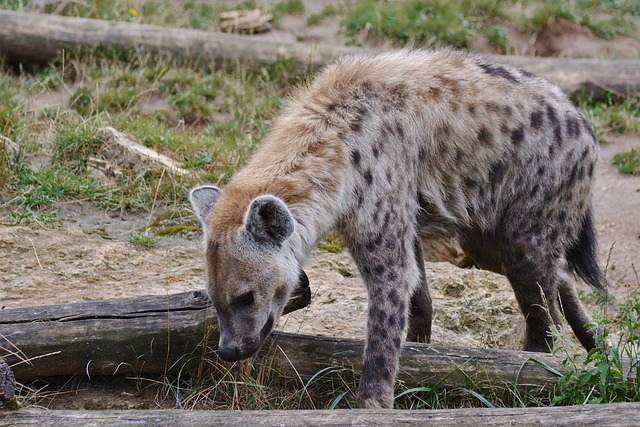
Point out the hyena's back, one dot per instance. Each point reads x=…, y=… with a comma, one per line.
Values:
x=487, y=153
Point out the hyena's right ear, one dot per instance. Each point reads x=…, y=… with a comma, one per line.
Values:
x=202, y=199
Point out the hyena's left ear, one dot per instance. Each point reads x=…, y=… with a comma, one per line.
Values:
x=268, y=221
x=202, y=199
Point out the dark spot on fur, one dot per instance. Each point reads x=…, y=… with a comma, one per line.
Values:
x=400, y=130
x=535, y=190
x=484, y=136
x=355, y=157
x=390, y=244
x=401, y=319
x=387, y=217
x=590, y=172
x=397, y=343
x=391, y=321
x=581, y=172
x=504, y=128
x=368, y=177
x=548, y=197
x=562, y=217
x=394, y=298
x=586, y=125
x=469, y=182
x=551, y=115
x=584, y=154
x=517, y=136
x=541, y=171
x=435, y=92
x=573, y=127
x=496, y=171
x=493, y=107
x=356, y=125
x=376, y=152
x=536, y=120
x=508, y=110
x=391, y=276
x=472, y=109
x=374, y=243
x=571, y=182
x=443, y=131
x=496, y=70
x=525, y=73
x=557, y=135
x=379, y=269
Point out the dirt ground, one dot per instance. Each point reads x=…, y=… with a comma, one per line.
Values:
x=86, y=256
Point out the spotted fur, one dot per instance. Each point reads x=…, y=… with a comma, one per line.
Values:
x=391, y=147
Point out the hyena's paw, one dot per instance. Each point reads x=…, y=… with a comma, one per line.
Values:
x=372, y=400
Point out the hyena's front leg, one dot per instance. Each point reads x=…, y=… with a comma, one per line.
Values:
x=421, y=312
x=390, y=273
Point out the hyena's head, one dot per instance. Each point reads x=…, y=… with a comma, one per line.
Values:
x=251, y=270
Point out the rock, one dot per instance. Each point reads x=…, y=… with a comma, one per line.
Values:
x=11, y=149
x=119, y=153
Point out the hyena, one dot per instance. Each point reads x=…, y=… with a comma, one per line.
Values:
x=389, y=148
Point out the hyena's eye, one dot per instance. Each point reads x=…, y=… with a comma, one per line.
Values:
x=243, y=300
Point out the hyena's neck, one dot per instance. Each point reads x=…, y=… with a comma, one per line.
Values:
x=314, y=209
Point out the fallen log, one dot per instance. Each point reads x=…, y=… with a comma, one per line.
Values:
x=142, y=335
x=155, y=335
x=616, y=414
x=32, y=37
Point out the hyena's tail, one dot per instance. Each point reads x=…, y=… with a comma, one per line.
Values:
x=582, y=256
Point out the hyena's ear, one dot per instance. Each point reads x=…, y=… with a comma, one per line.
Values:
x=268, y=221
x=202, y=200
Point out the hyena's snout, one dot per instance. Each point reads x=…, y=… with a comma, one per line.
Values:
x=238, y=346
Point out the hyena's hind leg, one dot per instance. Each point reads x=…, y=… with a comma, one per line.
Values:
x=574, y=311
x=421, y=312
x=535, y=283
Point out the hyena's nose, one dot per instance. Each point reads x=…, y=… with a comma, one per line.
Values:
x=229, y=352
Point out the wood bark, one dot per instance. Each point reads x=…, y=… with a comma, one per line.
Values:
x=30, y=37
x=141, y=335
x=620, y=414
x=41, y=37
x=155, y=335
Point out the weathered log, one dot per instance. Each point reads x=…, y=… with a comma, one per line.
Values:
x=142, y=335
x=33, y=37
x=28, y=37
x=156, y=335
x=616, y=414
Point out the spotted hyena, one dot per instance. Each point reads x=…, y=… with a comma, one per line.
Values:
x=392, y=147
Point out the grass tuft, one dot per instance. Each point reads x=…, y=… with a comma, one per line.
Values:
x=628, y=162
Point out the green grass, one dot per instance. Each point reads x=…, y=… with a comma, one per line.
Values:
x=628, y=162
x=614, y=114
x=328, y=10
x=458, y=23
x=143, y=239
